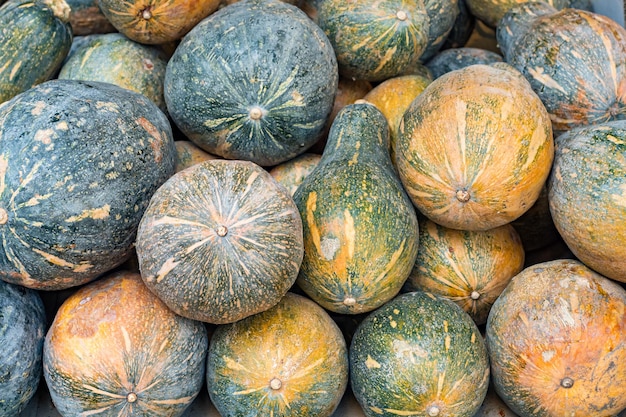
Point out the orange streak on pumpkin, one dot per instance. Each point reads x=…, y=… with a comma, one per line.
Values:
x=157, y=141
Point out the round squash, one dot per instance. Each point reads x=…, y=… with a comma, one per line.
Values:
x=470, y=268
x=188, y=154
x=587, y=195
x=290, y=360
x=557, y=342
x=442, y=15
x=359, y=226
x=419, y=355
x=475, y=148
x=79, y=162
x=291, y=173
x=34, y=39
x=220, y=241
x=492, y=11
x=457, y=58
x=22, y=330
x=254, y=81
x=115, y=349
x=374, y=41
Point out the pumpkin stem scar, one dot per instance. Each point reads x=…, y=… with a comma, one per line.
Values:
x=567, y=382
x=401, y=15
x=433, y=411
x=131, y=397
x=463, y=196
x=349, y=301
x=4, y=216
x=275, y=383
x=255, y=113
x=475, y=295
x=222, y=231
x=146, y=13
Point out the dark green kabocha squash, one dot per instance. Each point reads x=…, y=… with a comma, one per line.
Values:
x=255, y=81
x=442, y=15
x=79, y=162
x=457, y=58
x=35, y=37
x=22, y=332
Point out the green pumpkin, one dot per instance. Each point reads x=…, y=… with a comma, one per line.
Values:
x=442, y=16
x=457, y=58
x=35, y=37
x=360, y=228
x=254, y=81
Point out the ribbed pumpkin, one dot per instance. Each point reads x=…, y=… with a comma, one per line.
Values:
x=34, y=39
x=573, y=61
x=492, y=11
x=557, y=342
x=475, y=148
x=156, y=21
x=360, y=228
x=79, y=162
x=419, y=355
x=375, y=40
x=457, y=58
x=587, y=195
x=115, y=59
x=290, y=360
x=469, y=268
x=115, y=349
x=86, y=18
x=291, y=173
x=220, y=241
x=188, y=154
x=253, y=81
x=22, y=331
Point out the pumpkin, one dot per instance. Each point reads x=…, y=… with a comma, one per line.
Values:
x=374, y=41
x=34, y=40
x=442, y=15
x=220, y=241
x=188, y=154
x=291, y=173
x=462, y=28
x=492, y=11
x=419, y=355
x=86, y=18
x=470, y=268
x=115, y=349
x=359, y=226
x=79, y=162
x=290, y=360
x=457, y=58
x=557, y=342
x=115, y=59
x=475, y=148
x=254, y=81
x=536, y=227
x=586, y=195
x=573, y=61
x=156, y=22
x=22, y=330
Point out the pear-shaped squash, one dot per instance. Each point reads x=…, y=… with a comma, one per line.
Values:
x=360, y=228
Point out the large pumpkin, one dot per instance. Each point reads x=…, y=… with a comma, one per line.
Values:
x=79, y=162
x=557, y=342
x=254, y=81
x=475, y=148
x=220, y=241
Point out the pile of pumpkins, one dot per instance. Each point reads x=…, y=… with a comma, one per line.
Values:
x=282, y=202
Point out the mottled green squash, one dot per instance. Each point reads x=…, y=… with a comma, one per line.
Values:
x=86, y=18
x=291, y=173
x=442, y=15
x=557, y=342
x=115, y=59
x=469, y=268
x=35, y=37
x=220, y=241
x=360, y=228
x=419, y=355
x=586, y=194
x=461, y=29
x=492, y=11
x=457, y=58
x=374, y=41
x=22, y=330
x=114, y=349
x=79, y=162
x=573, y=60
x=254, y=81
x=289, y=361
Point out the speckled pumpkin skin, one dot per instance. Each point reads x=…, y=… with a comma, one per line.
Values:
x=457, y=58
x=359, y=226
x=557, y=342
x=115, y=59
x=254, y=81
x=374, y=41
x=475, y=148
x=442, y=15
x=291, y=173
x=22, y=331
x=469, y=268
x=573, y=60
x=220, y=241
x=35, y=37
x=419, y=355
x=491, y=11
x=289, y=361
x=115, y=349
x=155, y=22
x=586, y=193
x=188, y=154
x=79, y=162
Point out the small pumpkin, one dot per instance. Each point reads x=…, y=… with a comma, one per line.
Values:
x=457, y=58
x=220, y=241
x=467, y=156
x=557, y=342
x=290, y=360
x=291, y=173
x=419, y=355
x=115, y=349
x=492, y=11
x=442, y=16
